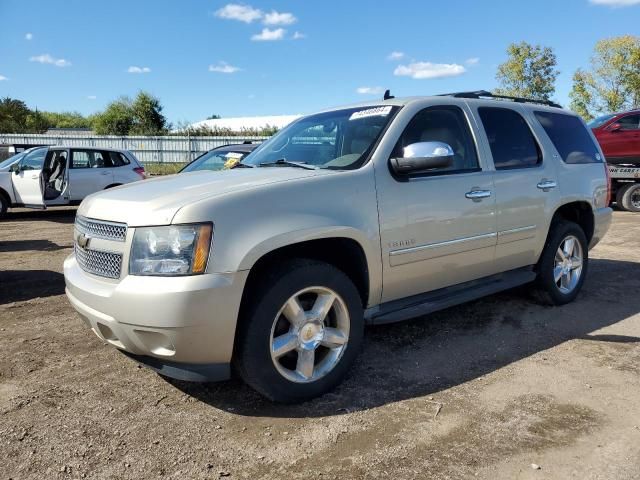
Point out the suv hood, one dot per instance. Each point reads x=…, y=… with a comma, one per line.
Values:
x=156, y=201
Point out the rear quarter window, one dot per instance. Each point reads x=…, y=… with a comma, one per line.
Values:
x=570, y=137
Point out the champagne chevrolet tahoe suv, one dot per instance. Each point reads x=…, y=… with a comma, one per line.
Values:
x=372, y=213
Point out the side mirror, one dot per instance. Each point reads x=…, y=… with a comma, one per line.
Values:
x=423, y=156
x=15, y=168
x=615, y=127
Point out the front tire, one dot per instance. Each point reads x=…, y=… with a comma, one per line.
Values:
x=301, y=329
x=563, y=264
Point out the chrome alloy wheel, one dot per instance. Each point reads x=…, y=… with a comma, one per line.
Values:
x=309, y=334
x=568, y=264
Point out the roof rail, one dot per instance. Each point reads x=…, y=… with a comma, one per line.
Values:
x=485, y=94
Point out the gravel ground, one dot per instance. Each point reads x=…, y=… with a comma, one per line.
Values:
x=498, y=388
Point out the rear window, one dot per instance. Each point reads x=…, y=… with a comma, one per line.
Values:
x=510, y=138
x=570, y=137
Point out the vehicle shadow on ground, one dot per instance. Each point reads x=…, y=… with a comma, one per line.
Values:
x=20, y=285
x=28, y=245
x=424, y=356
x=59, y=216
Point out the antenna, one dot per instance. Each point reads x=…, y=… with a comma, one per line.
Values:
x=387, y=95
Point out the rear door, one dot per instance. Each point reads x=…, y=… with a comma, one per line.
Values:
x=90, y=172
x=28, y=185
x=525, y=180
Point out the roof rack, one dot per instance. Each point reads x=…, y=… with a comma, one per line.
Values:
x=485, y=94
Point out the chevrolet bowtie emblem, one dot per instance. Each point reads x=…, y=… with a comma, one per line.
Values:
x=83, y=240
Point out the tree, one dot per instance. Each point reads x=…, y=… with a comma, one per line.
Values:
x=529, y=72
x=117, y=118
x=147, y=116
x=65, y=120
x=142, y=116
x=16, y=117
x=613, y=82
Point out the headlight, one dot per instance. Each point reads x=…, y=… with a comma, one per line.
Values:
x=172, y=250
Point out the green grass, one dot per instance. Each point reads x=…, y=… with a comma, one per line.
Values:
x=163, y=168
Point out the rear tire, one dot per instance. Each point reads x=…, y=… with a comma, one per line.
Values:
x=291, y=354
x=563, y=264
x=628, y=197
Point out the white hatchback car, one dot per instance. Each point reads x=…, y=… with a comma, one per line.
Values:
x=44, y=177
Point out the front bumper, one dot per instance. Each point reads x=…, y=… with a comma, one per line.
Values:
x=182, y=327
x=601, y=223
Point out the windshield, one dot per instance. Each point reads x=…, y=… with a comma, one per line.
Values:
x=341, y=139
x=215, y=160
x=13, y=159
x=600, y=121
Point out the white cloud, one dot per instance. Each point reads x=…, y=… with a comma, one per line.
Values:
x=298, y=36
x=615, y=3
x=135, y=69
x=395, y=55
x=370, y=90
x=268, y=35
x=472, y=61
x=28, y=36
x=223, y=67
x=48, y=59
x=277, y=18
x=3, y=78
x=428, y=70
x=241, y=13
x=91, y=97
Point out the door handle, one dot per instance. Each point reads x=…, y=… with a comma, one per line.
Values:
x=546, y=185
x=477, y=195
x=34, y=176
x=104, y=173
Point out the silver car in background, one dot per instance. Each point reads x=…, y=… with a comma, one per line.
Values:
x=44, y=177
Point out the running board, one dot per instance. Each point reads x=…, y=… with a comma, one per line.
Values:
x=425, y=303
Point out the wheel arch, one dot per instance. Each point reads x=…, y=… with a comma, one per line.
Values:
x=5, y=195
x=342, y=251
x=579, y=212
x=112, y=185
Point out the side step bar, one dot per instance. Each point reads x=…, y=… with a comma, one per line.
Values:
x=425, y=303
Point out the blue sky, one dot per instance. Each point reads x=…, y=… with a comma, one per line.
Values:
x=282, y=57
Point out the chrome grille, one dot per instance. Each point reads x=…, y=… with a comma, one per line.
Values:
x=102, y=229
x=103, y=264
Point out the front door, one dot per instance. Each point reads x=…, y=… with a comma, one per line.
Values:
x=437, y=228
x=89, y=172
x=27, y=180
x=526, y=189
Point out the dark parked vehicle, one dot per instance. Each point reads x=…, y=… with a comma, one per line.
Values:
x=220, y=157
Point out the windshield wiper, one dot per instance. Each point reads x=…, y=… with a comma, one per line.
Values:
x=287, y=163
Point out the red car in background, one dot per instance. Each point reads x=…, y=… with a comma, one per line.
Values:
x=619, y=137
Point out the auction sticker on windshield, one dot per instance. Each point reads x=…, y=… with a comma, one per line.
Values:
x=371, y=112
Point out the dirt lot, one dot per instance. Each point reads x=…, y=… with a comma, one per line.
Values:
x=483, y=390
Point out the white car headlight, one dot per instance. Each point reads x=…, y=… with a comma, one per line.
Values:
x=171, y=250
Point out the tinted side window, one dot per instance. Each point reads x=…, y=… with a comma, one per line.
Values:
x=118, y=159
x=570, y=137
x=445, y=124
x=512, y=143
x=630, y=122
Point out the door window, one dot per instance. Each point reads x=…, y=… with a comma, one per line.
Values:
x=630, y=122
x=33, y=160
x=81, y=159
x=446, y=124
x=570, y=137
x=510, y=138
